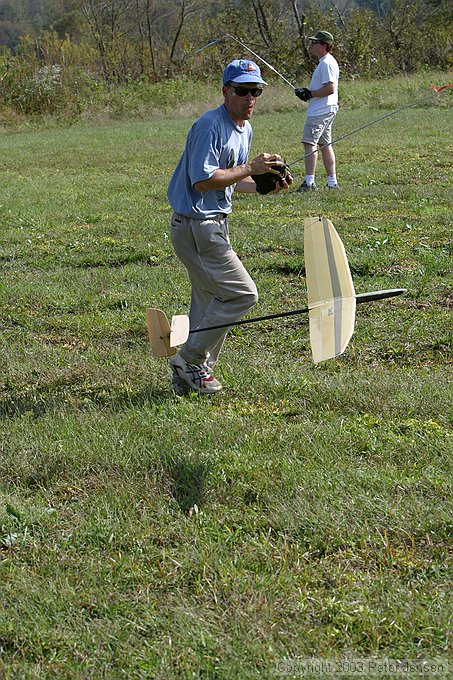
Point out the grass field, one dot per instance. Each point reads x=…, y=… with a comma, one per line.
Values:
x=304, y=512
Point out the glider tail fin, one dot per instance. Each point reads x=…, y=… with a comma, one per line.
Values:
x=165, y=337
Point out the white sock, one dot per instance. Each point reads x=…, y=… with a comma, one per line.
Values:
x=310, y=179
x=331, y=180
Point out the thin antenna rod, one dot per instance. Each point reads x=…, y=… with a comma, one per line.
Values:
x=228, y=35
x=213, y=42
x=261, y=59
x=360, y=298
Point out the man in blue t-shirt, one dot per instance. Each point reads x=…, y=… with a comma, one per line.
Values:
x=214, y=165
x=322, y=97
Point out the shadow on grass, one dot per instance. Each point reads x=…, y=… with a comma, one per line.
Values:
x=298, y=269
x=38, y=404
x=188, y=482
x=285, y=269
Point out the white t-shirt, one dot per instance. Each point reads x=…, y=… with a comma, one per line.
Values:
x=327, y=71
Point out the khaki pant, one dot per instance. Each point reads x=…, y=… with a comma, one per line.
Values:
x=222, y=290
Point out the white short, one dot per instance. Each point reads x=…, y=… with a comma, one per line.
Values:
x=318, y=129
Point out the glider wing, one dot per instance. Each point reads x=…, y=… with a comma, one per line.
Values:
x=331, y=294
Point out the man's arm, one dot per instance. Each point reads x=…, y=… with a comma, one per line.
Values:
x=325, y=90
x=246, y=186
x=222, y=178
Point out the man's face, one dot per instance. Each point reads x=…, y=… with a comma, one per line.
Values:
x=317, y=49
x=240, y=107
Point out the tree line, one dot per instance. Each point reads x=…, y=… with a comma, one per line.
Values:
x=55, y=47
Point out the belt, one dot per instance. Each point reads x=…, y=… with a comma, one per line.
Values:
x=219, y=216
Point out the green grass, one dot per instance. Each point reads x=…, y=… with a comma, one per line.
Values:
x=303, y=512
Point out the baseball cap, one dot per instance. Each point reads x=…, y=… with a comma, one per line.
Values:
x=242, y=71
x=323, y=36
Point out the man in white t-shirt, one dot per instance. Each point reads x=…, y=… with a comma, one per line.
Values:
x=322, y=98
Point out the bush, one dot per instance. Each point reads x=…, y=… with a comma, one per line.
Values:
x=59, y=76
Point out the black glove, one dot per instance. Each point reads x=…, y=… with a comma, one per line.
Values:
x=303, y=93
x=267, y=182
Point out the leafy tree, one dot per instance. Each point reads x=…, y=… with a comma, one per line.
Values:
x=9, y=11
x=124, y=40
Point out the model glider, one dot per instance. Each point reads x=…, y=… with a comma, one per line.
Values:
x=331, y=300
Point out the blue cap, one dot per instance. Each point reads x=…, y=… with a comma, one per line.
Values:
x=242, y=71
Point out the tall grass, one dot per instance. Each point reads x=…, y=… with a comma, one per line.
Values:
x=185, y=98
x=303, y=512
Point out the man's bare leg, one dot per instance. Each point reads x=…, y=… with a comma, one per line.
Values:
x=328, y=158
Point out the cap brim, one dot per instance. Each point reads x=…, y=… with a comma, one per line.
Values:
x=318, y=39
x=248, y=79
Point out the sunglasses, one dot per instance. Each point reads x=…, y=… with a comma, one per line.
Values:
x=315, y=42
x=243, y=91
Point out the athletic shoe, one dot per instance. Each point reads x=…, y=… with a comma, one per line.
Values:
x=335, y=186
x=198, y=376
x=306, y=187
x=178, y=385
x=209, y=363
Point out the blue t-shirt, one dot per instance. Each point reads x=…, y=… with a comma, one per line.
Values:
x=214, y=141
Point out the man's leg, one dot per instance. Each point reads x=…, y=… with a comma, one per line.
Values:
x=310, y=137
x=328, y=158
x=214, y=268
x=200, y=299
x=327, y=152
x=311, y=160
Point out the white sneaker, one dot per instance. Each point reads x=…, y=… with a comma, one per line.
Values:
x=178, y=385
x=198, y=376
x=306, y=187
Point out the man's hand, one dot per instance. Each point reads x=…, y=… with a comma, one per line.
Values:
x=284, y=182
x=303, y=93
x=278, y=177
x=266, y=162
